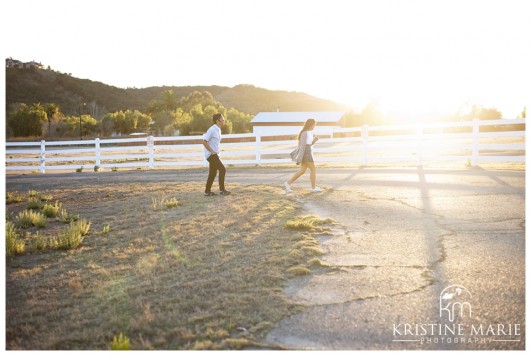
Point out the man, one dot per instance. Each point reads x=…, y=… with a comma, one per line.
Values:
x=211, y=141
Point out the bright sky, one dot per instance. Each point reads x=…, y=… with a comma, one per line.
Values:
x=411, y=57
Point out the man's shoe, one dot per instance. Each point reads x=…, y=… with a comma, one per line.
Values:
x=316, y=190
x=224, y=192
x=209, y=194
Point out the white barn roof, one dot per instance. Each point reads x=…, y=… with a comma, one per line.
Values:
x=296, y=118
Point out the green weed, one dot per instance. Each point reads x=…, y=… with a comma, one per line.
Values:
x=299, y=270
x=38, y=242
x=72, y=236
x=50, y=210
x=35, y=203
x=28, y=218
x=13, y=197
x=67, y=217
x=307, y=222
x=120, y=342
x=14, y=244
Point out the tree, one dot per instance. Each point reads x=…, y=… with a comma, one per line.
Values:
x=167, y=102
x=370, y=115
x=241, y=122
x=489, y=114
x=163, y=119
x=51, y=111
x=70, y=126
x=143, y=121
x=182, y=118
x=352, y=119
x=126, y=122
x=189, y=102
x=107, y=125
x=95, y=110
x=202, y=120
x=478, y=112
x=27, y=121
x=89, y=125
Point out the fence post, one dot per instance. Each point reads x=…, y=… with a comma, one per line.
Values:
x=151, y=149
x=475, y=142
x=365, y=143
x=43, y=157
x=419, y=144
x=98, y=155
x=258, y=141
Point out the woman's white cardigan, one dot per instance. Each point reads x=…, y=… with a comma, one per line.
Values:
x=298, y=154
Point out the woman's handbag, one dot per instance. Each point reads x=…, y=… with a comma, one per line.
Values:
x=294, y=154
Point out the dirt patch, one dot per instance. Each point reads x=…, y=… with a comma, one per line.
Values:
x=203, y=273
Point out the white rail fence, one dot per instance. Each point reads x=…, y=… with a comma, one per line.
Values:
x=473, y=141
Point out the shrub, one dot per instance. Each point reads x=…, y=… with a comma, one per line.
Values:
x=29, y=218
x=23, y=219
x=120, y=342
x=84, y=226
x=38, y=242
x=45, y=197
x=14, y=245
x=13, y=197
x=35, y=203
x=299, y=270
x=67, y=217
x=50, y=210
x=168, y=203
x=69, y=238
x=40, y=221
x=172, y=203
x=72, y=235
x=307, y=222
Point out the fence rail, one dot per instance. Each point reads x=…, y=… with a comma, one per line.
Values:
x=471, y=141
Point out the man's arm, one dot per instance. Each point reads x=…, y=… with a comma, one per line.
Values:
x=207, y=146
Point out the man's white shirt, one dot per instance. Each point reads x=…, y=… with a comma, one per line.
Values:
x=213, y=137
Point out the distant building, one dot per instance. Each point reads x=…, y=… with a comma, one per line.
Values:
x=14, y=63
x=33, y=64
x=290, y=123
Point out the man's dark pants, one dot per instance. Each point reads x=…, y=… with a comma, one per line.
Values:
x=215, y=165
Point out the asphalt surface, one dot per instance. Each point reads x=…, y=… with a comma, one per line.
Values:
x=420, y=258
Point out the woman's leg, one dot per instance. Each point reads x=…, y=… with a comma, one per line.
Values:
x=298, y=174
x=313, y=174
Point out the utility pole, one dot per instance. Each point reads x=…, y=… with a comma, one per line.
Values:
x=81, y=106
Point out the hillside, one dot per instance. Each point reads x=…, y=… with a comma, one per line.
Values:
x=46, y=86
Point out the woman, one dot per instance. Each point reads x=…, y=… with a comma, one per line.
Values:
x=303, y=155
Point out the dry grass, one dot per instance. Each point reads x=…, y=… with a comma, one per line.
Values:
x=206, y=273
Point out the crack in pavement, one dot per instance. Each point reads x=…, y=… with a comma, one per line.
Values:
x=343, y=280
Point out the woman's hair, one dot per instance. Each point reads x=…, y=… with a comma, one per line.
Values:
x=309, y=124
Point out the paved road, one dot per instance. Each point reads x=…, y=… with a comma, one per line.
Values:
x=420, y=258
x=405, y=235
